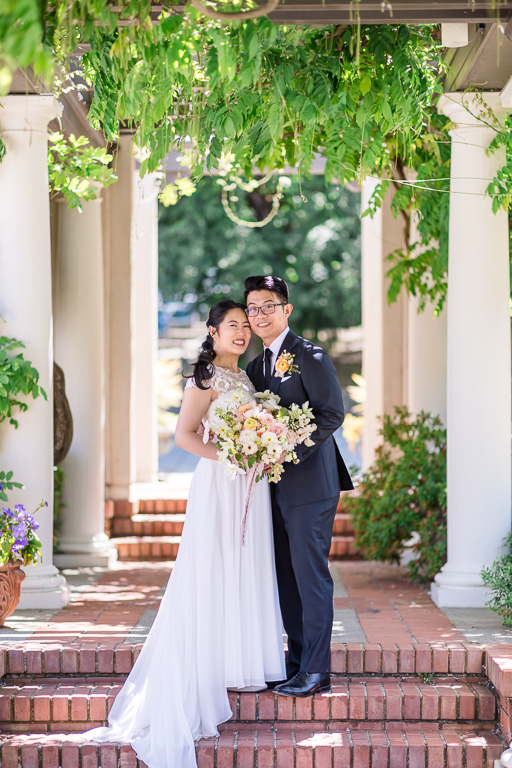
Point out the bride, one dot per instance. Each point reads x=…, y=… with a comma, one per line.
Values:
x=219, y=624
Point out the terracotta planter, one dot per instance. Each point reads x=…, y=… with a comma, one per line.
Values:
x=11, y=577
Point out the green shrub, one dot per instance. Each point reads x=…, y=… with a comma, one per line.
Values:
x=499, y=577
x=404, y=492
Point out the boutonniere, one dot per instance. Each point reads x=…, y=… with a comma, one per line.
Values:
x=284, y=365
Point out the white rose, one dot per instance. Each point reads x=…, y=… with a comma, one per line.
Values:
x=246, y=436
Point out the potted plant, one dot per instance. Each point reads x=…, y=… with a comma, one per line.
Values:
x=19, y=545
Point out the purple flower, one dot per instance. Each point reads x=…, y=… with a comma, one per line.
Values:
x=19, y=530
x=19, y=544
x=19, y=507
x=46, y=503
x=8, y=512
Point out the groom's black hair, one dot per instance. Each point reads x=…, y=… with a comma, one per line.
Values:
x=266, y=283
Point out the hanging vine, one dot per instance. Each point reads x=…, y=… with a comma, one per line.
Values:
x=361, y=97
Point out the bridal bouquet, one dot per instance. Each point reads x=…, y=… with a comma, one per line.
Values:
x=254, y=432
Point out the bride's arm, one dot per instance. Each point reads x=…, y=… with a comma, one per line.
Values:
x=194, y=406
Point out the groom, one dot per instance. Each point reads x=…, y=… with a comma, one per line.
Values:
x=304, y=502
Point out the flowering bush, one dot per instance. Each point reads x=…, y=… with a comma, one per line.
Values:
x=404, y=492
x=17, y=535
x=254, y=431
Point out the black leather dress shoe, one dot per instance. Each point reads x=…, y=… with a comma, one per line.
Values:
x=305, y=684
x=291, y=671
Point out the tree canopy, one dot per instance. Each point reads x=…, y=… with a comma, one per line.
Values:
x=313, y=243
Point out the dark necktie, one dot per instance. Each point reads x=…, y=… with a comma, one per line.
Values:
x=268, y=367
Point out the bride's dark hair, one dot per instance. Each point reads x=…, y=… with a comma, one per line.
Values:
x=203, y=367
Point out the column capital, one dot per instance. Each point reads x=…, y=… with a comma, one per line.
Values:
x=473, y=110
x=28, y=113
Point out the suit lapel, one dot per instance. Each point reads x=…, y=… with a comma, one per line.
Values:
x=289, y=342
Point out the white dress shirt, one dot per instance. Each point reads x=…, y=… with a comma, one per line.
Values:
x=275, y=347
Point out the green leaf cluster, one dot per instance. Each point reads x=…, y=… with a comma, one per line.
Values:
x=498, y=576
x=7, y=484
x=404, y=493
x=17, y=377
x=22, y=41
x=76, y=169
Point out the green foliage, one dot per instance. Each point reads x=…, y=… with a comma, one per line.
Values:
x=76, y=169
x=265, y=95
x=404, y=492
x=59, y=478
x=7, y=484
x=22, y=41
x=421, y=201
x=314, y=245
x=261, y=96
x=499, y=577
x=17, y=376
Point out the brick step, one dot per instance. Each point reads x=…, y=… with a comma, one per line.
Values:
x=366, y=748
x=149, y=524
x=45, y=659
x=166, y=547
x=67, y=704
x=147, y=547
x=162, y=506
x=343, y=525
x=171, y=524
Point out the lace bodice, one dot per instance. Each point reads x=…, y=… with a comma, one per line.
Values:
x=224, y=382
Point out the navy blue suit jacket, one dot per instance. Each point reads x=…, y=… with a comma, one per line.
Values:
x=321, y=472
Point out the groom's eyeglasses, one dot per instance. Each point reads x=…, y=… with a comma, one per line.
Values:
x=266, y=309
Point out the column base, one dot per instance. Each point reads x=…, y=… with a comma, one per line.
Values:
x=86, y=551
x=457, y=596
x=105, y=559
x=45, y=588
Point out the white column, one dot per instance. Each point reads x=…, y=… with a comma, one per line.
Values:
x=384, y=325
x=478, y=387
x=25, y=304
x=120, y=327
x=79, y=350
x=426, y=377
x=145, y=287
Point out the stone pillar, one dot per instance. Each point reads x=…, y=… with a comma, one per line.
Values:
x=119, y=327
x=145, y=287
x=25, y=304
x=426, y=376
x=79, y=350
x=478, y=386
x=384, y=325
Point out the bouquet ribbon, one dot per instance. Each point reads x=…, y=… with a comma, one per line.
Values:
x=251, y=488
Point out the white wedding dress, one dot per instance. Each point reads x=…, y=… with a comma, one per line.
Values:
x=219, y=623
